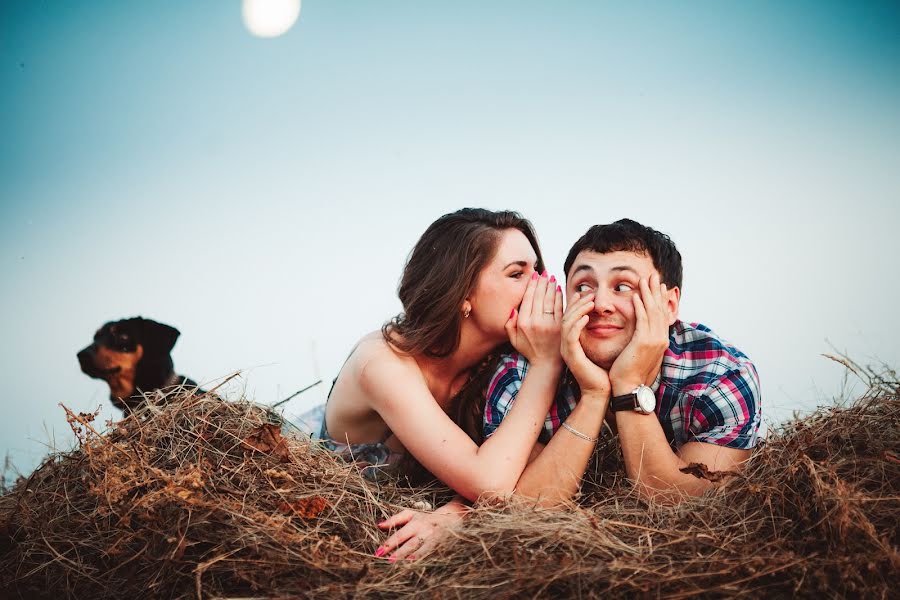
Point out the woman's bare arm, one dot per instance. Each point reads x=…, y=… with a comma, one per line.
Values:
x=400, y=396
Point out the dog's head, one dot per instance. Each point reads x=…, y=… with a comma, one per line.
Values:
x=130, y=354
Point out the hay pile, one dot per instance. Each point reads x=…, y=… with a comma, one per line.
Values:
x=205, y=498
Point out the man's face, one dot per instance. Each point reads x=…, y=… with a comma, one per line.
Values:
x=614, y=278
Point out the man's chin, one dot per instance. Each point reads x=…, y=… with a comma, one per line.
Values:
x=601, y=357
x=602, y=351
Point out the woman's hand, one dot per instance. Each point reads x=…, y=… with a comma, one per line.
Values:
x=419, y=531
x=640, y=360
x=591, y=378
x=534, y=329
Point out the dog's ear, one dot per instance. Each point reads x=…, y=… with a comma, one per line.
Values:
x=158, y=337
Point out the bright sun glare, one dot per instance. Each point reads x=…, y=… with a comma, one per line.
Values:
x=270, y=18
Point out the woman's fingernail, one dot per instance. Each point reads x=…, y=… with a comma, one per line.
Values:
x=534, y=275
x=544, y=274
x=410, y=557
x=511, y=313
x=379, y=552
x=553, y=278
x=558, y=288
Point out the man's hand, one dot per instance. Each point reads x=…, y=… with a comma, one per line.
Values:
x=640, y=360
x=591, y=378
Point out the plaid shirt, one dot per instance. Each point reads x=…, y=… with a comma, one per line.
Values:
x=707, y=391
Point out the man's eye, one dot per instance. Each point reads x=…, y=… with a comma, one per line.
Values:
x=582, y=288
x=623, y=287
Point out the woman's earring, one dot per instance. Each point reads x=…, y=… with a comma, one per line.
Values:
x=466, y=312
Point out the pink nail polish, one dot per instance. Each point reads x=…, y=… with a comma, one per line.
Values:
x=379, y=552
x=410, y=557
x=534, y=275
x=544, y=274
x=511, y=313
x=558, y=288
x=553, y=278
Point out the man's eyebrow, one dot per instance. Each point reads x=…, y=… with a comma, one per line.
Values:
x=581, y=268
x=588, y=268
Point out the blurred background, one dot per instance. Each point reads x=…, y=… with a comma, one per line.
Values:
x=257, y=179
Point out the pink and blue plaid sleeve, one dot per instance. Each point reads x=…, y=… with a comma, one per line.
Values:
x=503, y=389
x=729, y=412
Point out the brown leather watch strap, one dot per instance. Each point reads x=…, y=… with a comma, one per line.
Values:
x=624, y=402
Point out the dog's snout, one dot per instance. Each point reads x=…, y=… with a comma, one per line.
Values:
x=86, y=360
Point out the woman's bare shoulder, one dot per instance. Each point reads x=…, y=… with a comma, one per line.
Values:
x=378, y=364
x=373, y=347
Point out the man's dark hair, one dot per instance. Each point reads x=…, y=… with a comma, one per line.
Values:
x=630, y=236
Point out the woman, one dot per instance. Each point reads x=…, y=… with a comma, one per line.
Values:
x=474, y=281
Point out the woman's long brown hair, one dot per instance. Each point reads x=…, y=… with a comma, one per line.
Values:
x=440, y=273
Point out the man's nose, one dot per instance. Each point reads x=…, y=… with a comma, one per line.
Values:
x=604, y=302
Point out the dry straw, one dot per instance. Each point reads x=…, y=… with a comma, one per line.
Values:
x=205, y=499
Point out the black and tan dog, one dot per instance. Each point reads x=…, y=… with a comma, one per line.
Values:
x=132, y=356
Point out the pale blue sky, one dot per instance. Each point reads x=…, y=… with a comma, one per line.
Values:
x=261, y=195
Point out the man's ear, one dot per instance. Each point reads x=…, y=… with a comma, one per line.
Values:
x=673, y=301
x=158, y=337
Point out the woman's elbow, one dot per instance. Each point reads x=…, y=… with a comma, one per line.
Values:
x=487, y=487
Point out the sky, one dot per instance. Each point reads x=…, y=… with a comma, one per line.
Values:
x=261, y=195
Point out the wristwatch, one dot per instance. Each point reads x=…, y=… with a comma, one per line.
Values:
x=641, y=400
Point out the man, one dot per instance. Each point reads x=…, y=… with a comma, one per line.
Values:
x=677, y=393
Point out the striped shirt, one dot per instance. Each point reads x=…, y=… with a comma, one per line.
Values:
x=707, y=391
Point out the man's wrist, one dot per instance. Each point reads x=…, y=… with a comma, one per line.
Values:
x=594, y=396
x=625, y=386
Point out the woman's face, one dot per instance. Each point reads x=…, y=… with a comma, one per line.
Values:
x=501, y=284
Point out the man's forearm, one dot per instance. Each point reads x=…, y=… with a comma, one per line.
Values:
x=650, y=461
x=555, y=475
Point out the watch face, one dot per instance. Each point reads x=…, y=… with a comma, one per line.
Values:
x=646, y=399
